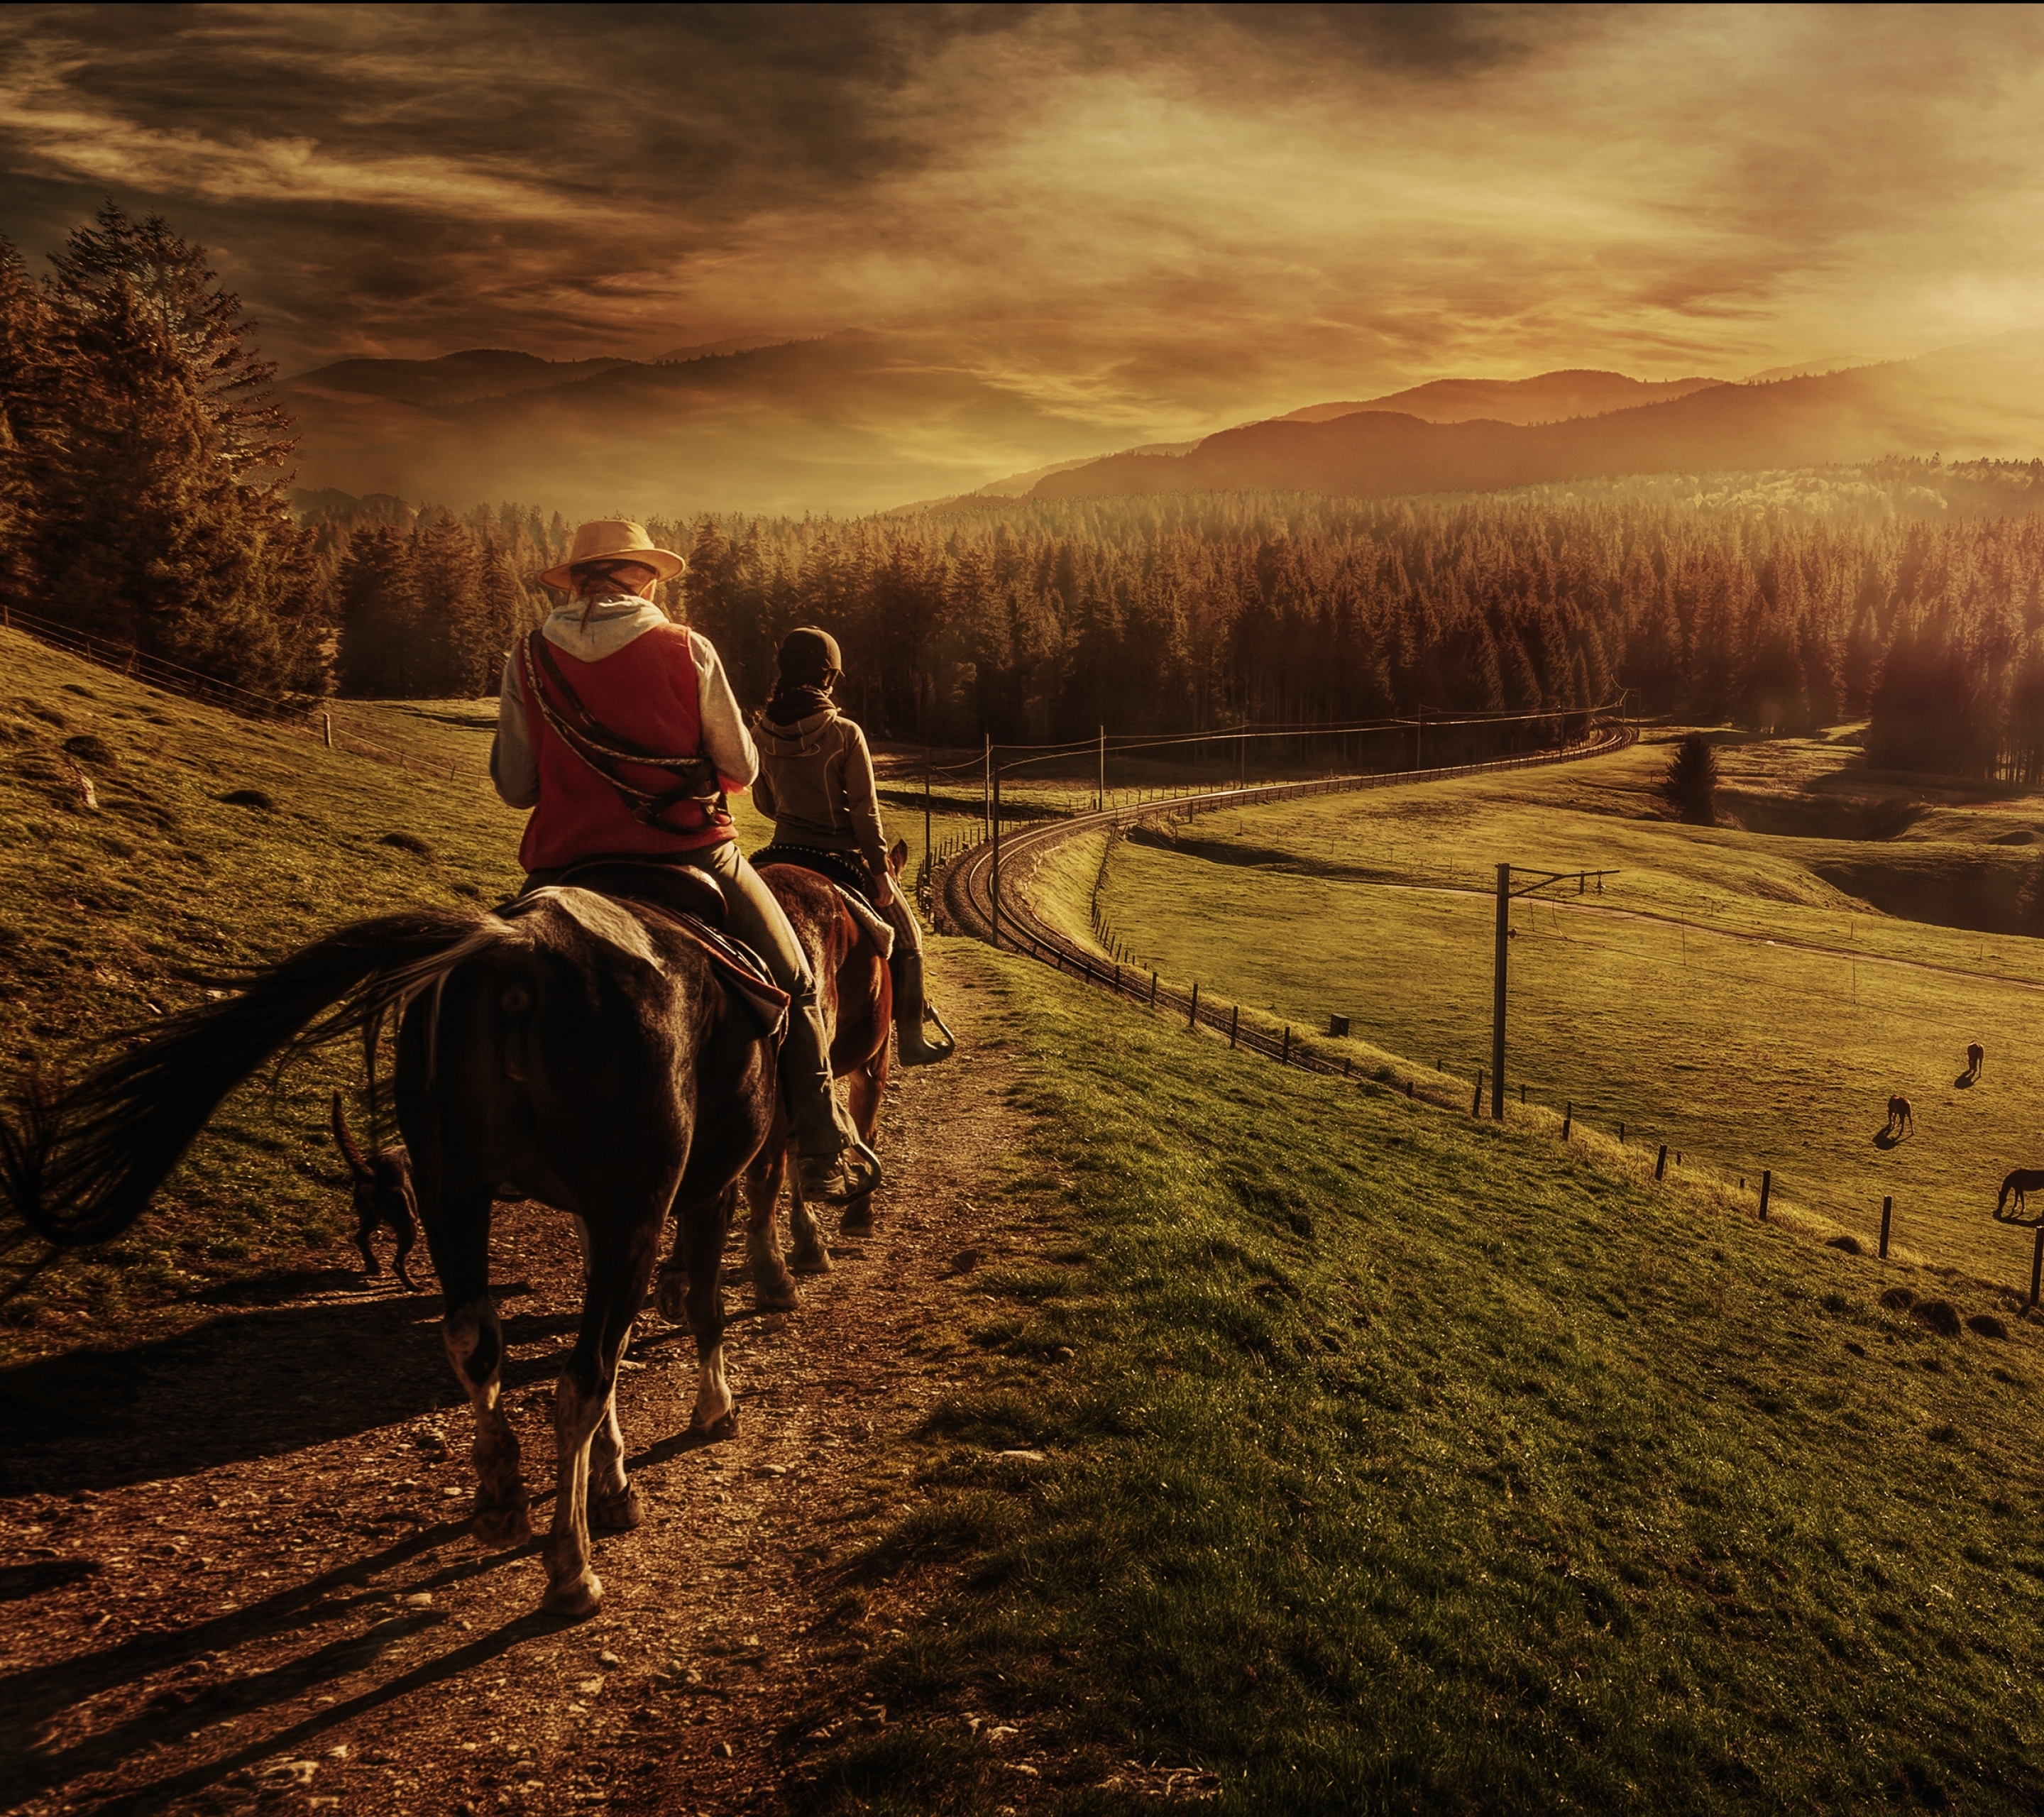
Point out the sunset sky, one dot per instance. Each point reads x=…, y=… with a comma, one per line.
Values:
x=1171, y=217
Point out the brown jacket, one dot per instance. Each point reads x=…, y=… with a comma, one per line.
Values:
x=815, y=779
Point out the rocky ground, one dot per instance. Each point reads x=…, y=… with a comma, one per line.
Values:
x=234, y=1571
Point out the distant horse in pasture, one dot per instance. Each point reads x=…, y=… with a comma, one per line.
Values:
x=1900, y=1117
x=2023, y=1180
x=1975, y=1057
x=383, y=1195
x=609, y=1058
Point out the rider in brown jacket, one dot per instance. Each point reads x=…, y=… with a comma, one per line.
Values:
x=815, y=779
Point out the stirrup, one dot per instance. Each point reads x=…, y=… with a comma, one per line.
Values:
x=838, y=1179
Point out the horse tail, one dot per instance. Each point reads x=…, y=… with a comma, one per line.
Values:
x=345, y=1144
x=79, y=1165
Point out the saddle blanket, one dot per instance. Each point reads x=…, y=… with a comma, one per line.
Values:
x=845, y=871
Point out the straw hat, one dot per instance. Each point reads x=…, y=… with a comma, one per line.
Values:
x=613, y=539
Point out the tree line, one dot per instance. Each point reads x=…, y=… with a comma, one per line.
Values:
x=144, y=462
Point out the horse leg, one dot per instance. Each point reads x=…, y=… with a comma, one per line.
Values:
x=866, y=1087
x=460, y=1244
x=670, y=1292
x=620, y=1265
x=811, y=1254
x=703, y=1227
x=408, y=1235
x=773, y=1286
x=367, y=1218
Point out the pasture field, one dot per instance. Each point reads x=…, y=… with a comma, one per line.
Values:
x=1402, y=1462
x=1720, y=995
x=215, y=842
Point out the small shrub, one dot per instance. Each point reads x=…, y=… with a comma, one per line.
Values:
x=250, y=798
x=408, y=842
x=1939, y=1316
x=1987, y=1325
x=1850, y=1245
x=90, y=746
x=1946, y=1433
x=1898, y=1298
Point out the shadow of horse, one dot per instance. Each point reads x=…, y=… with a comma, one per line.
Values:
x=1965, y=1081
x=1888, y=1136
x=295, y=1376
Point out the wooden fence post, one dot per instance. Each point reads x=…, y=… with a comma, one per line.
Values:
x=1476, y=1103
x=2036, y=1267
x=1621, y=1133
x=1522, y=1093
x=1660, y=1161
x=1284, y=1054
x=1409, y=1092
x=1153, y=991
x=1766, y=1191
x=1887, y=1211
x=1234, y=1019
x=326, y=727
x=1193, y=1021
x=1568, y=1119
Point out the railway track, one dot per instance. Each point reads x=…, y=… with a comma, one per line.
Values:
x=963, y=892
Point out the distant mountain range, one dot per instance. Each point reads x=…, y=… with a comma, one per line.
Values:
x=1986, y=398
x=862, y=419
x=853, y=421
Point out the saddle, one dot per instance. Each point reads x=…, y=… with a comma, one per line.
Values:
x=686, y=903
x=838, y=868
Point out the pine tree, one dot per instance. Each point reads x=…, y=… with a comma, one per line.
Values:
x=1689, y=785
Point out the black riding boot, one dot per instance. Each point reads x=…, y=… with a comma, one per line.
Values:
x=912, y=1040
x=833, y=1165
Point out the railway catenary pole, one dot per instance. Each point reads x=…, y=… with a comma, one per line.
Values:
x=987, y=786
x=994, y=778
x=929, y=864
x=1100, y=785
x=1497, y=993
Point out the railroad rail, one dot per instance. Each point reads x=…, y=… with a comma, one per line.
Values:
x=962, y=891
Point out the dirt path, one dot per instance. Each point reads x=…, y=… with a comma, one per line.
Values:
x=248, y=1583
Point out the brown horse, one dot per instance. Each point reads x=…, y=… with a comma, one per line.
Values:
x=1900, y=1117
x=856, y=993
x=2023, y=1180
x=587, y=1052
x=1976, y=1058
x=383, y=1195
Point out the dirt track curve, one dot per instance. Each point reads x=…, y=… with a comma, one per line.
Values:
x=235, y=1574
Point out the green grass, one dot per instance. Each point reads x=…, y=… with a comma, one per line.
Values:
x=1405, y=1463
x=1739, y=1055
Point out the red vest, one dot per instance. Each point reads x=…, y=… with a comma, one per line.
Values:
x=647, y=694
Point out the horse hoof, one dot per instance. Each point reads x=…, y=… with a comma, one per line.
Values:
x=499, y=1528
x=775, y=1299
x=810, y=1258
x=858, y=1218
x=575, y=1597
x=673, y=1295
x=726, y=1427
x=616, y=1514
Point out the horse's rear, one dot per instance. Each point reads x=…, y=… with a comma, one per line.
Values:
x=597, y=1067
x=856, y=994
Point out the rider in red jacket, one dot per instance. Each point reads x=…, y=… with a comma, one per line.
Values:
x=645, y=682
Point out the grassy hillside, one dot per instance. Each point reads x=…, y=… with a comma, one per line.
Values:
x=1778, y=1050
x=214, y=842
x=1404, y=1463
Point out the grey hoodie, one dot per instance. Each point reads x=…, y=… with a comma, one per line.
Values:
x=815, y=779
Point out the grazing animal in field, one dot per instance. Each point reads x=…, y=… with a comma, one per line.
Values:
x=383, y=1195
x=1975, y=1057
x=606, y=1058
x=855, y=993
x=2023, y=1180
x=1900, y=1117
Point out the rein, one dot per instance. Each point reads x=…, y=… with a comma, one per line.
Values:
x=599, y=748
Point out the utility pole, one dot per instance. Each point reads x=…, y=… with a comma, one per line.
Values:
x=1420, y=740
x=994, y=777
x=987, y=787
x=929, y=868
x=1100, y=785
x=1497, y=993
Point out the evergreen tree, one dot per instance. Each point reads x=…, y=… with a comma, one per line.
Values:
x=1689, y=785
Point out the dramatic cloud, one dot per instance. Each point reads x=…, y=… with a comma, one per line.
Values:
x=1161, y=218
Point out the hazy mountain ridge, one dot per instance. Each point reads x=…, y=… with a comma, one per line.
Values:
x=1980, y=400
x=1552, y=397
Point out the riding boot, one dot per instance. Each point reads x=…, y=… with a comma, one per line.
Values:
x=833, y=1165
x=912, y=1041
